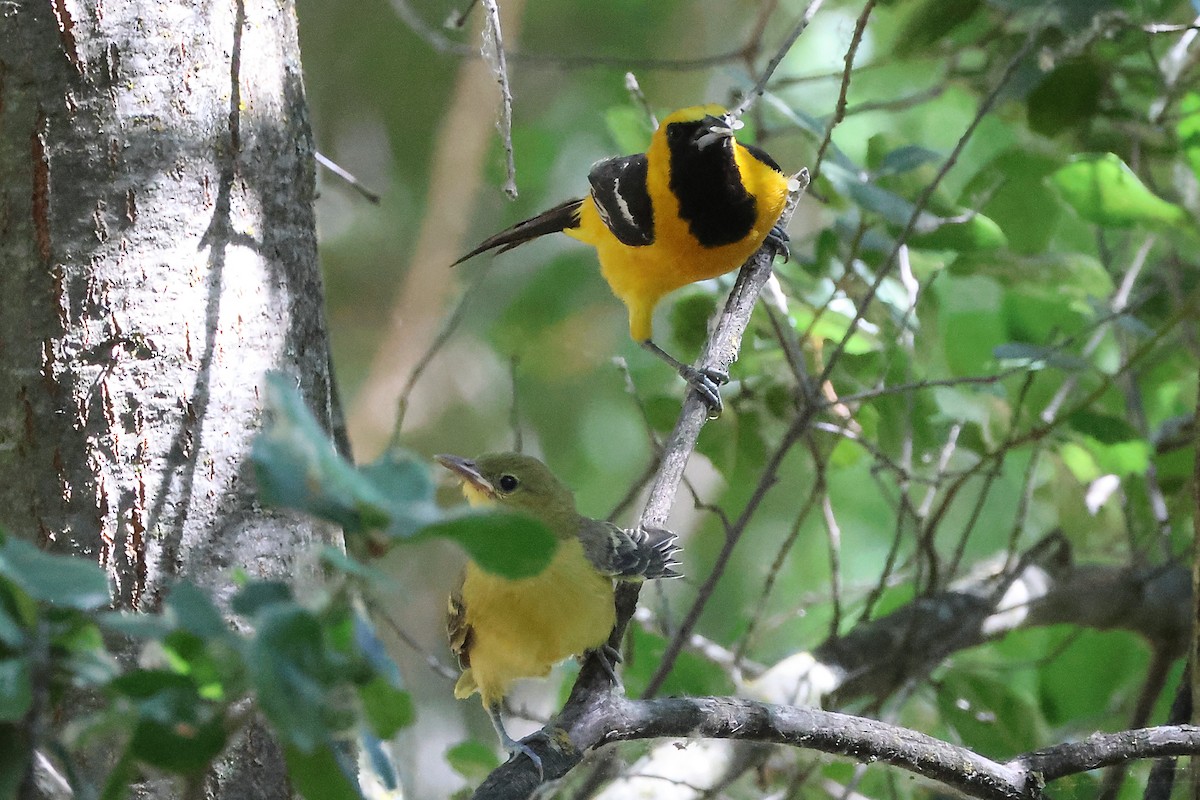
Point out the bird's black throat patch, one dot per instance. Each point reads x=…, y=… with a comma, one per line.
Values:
x=706, y=182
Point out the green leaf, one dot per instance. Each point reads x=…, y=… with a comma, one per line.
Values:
x=291, y=674
x=299, y=469
x=965, y=230
x=1034, y=357
x=387, y=708
x=1018, y=198
x=930, y=22
x=905, y=158
x=1104, y=428
x=1129, y=457
x=209, y=667
x=1104, y=190
x=893, y=208
x=969, y=322
x=176, y=729
x=179, y=747
x=297, y=466
x=832, y=325
x=964, y=406
x=58, y=580
x=120, y=778
x=968, y=232
x=344, y=562
x=400, y=477
x=11, y=632
x=86, y=659
x=256, y=595
x=473, y=760
x=508, y=544
x=16, y=689
x=321, y=774
x=1067, y=97
x=195, y=612
x=1091, y=671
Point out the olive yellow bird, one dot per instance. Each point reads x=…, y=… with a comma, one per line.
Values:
x=503, y=629
x=695, y=205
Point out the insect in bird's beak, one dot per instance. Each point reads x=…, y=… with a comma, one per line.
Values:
x=465, y=469
x=716, y=129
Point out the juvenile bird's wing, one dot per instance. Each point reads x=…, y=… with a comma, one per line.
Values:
x=630, y=555
x=622, y=198
x=460, y=634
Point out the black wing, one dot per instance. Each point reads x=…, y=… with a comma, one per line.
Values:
x=764, y=157
x=619, y=190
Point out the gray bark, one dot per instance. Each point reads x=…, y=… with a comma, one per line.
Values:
x=157, y=258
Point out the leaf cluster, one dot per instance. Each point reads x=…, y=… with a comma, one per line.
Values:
x=198, y=674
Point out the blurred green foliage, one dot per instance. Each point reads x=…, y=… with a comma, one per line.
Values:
x=315, y=671
x=314, y=668
x=994, y=350
x=1031, y=338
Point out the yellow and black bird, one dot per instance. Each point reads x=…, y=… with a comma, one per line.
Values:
x=695, y=205
x=504, y=629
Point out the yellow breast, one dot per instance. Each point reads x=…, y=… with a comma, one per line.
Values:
x=641, y=276
x=522, y=628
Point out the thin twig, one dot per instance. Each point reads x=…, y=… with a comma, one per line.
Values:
x=761, y=86
x=458, y=17
x=926, y=195
x=345, y=175
x=639, y=98
x=745, y=641
x=839, y=112
x=834, y=535
x=719, y=352
x=448, y=328
x=436, y=664
x=1117, y=306
x=493, y=53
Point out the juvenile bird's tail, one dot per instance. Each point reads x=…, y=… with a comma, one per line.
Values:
x=562, y=216
x=466, y=686
x=657, y=549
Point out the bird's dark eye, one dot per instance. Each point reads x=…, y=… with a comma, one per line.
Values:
x=507, y=483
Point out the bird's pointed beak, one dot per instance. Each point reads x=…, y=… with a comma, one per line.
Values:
x=468, y=472
x=716, y=129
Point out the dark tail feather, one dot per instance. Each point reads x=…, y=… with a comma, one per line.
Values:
x=562, y=216
x=658, y=548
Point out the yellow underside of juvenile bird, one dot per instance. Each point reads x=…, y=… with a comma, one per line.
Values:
x=521, y=628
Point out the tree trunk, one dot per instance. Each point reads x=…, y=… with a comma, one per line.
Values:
x=157, y=258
